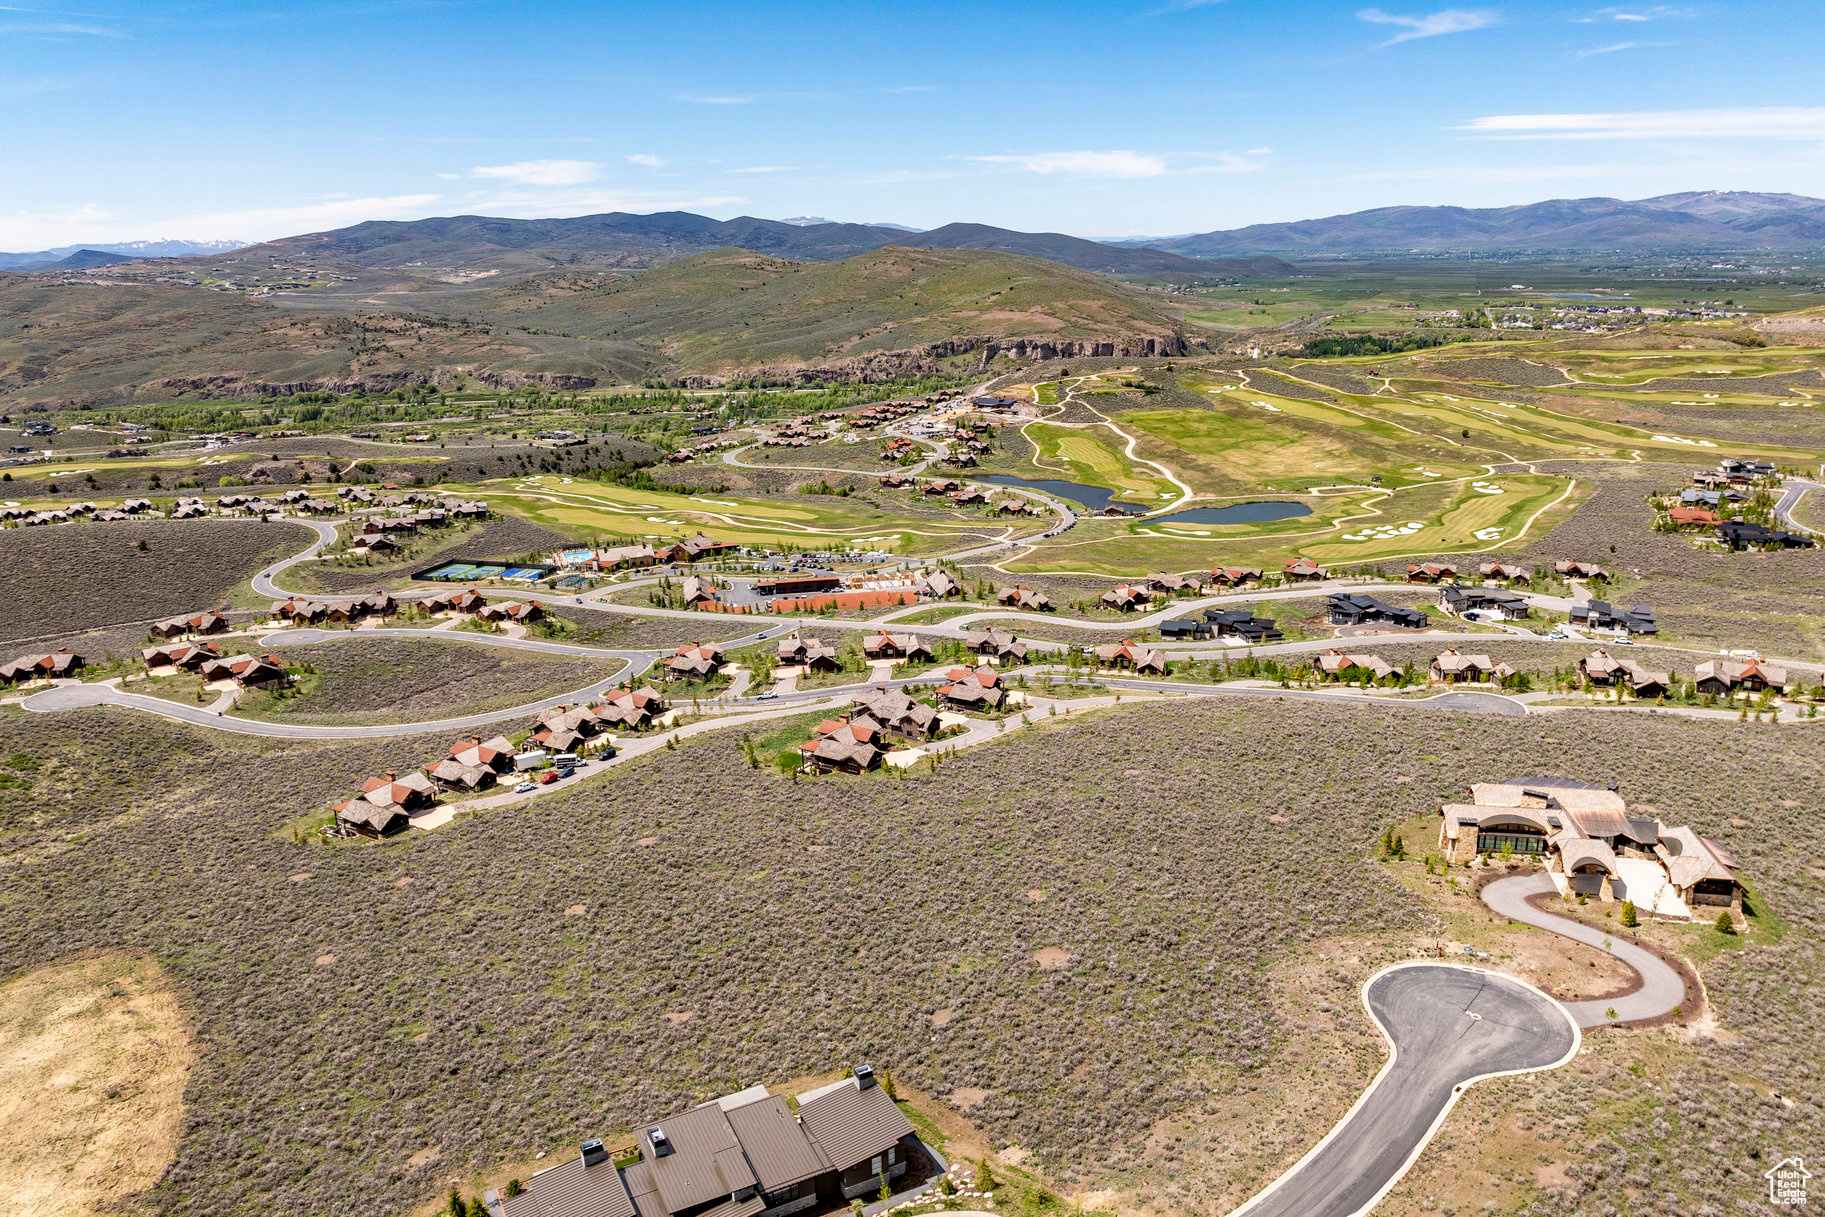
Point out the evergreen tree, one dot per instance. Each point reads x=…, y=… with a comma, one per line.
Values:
x=1629, y=917
x=1725, y=923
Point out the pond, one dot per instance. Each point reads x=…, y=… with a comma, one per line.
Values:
x=1091, y=498
x=1235, y=513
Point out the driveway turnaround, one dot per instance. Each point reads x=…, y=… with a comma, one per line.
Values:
x=1662, y=989
x=1448, y=1026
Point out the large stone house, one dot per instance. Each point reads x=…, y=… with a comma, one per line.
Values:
x=1593, y=845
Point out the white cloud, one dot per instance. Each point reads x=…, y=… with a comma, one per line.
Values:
x=451, y=177
x=765, y=169
x=542, y=173
x=1123, y=164
x=1431, y=25
x=716, y=101
x=58, y=29
x=1765, y=122
x=1653, y=12
x=645, y=158
x=92, y=224
x=1611, y=49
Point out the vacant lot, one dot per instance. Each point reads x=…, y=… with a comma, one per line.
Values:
x=81, y=576
x=1204, y=1030
x=401, y=680
x=93, y=1059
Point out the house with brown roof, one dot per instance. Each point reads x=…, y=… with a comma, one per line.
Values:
x=1125, y=597
x=971, y=689
x=939, y=585
x=300, y=609
x=694, y=548
x=741, y=1155
x=1165, y=584
x=1024, y=598
x=996, y=644
x=1235, y=576
x=209, y=622
x=248, y=671
x=698, y=591
x=1604, y=671
x=694, y=661
x=814, y=654
x=512, y=612
x=1303, y=570
x=631, y=708
x=1361, y=665
x=889, y=645
x=474, y=763
x=1593, y=844
x=56, y=665
x=358, y=608
x=1131, y=655
x=1729, y=677
x=843, y=746
x=186, y=655
x=374, y=543
x=1694, y=517
x=461, y=602
x=1571, y=568
x=1455, y=667
x=1505, y=572
x=968, y=496
x=894, y=481
x=897, y=713
x=386, y=803
x=933, y=490
x=1430, y=572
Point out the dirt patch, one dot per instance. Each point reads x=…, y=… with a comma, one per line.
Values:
x=965, y=1097
x=1036, y=895
x=324, y=961
x=429, y=1154
x=576, y=910
x=93, y=1060
x=675, y=1017
x=300, y=877
x=941, y=1017
x=1051, y=959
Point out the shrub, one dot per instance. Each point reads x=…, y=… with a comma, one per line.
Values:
x=1725, y=923
x=1629, y=918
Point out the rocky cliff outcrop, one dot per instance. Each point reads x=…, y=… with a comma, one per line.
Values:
x=237, y=385
x=930, y=359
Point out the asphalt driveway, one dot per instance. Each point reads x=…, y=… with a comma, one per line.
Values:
x=1449, y=1026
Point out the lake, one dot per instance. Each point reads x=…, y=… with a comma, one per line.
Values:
x=1235, y=513
x=1091, y=498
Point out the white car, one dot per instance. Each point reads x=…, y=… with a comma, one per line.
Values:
x=525, y=788
x=769, y=695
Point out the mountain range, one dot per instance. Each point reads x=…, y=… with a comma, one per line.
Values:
x=624, y=239
x=1710, y=221
x=80, y=256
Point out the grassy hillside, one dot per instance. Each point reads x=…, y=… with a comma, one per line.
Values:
x=733, y=308
x=113, y=338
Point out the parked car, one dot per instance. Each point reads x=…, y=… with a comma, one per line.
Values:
x=547, y=778
x=769, y=695
x=525, y=788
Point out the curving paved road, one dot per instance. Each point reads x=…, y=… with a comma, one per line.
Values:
x=1448, y=1026
x=1662, y=988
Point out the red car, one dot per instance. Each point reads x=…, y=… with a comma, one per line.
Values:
x=546, y=778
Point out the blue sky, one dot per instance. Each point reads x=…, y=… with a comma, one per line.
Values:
x=259, y=119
